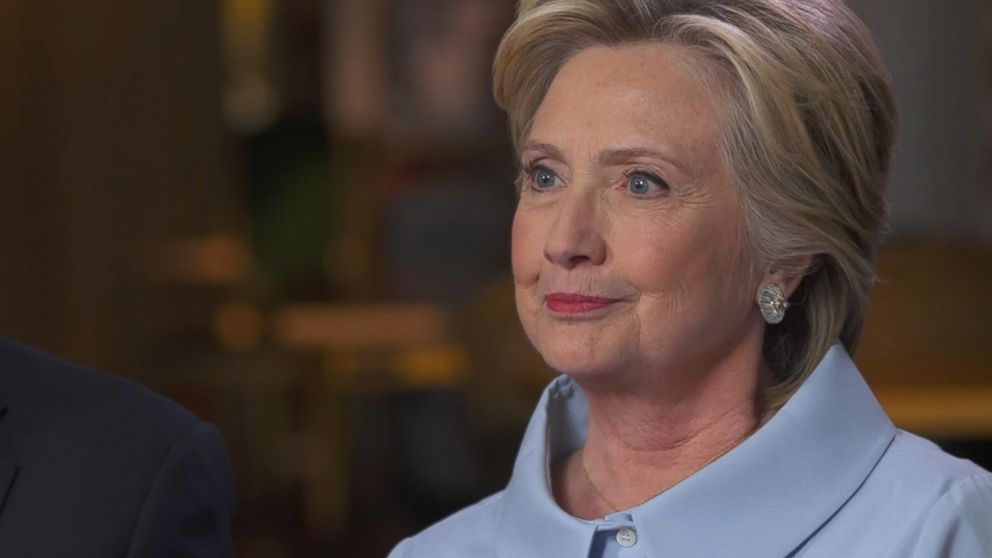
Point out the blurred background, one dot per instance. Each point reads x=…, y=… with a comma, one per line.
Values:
x=292, y=216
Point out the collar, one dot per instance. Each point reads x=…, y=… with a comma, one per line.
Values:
x=763, y=498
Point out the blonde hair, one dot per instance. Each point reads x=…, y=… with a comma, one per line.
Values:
x=809, y=127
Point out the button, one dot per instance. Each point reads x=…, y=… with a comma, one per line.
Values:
x=627, y=537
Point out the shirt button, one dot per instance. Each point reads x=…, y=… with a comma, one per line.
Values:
x=627, y=537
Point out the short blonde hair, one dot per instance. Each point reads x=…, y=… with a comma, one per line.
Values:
x=809, y=128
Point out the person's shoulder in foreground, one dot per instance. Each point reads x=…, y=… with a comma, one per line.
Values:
x=92, y=465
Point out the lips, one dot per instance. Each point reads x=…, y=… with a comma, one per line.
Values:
x=566, y=303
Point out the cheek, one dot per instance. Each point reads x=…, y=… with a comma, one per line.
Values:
x=678, y=265
x=654, y=258
x=527, y=255
x=527, y=249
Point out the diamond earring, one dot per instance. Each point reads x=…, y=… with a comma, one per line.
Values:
x=772, y=303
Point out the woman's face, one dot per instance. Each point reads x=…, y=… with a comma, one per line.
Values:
x=627, y=248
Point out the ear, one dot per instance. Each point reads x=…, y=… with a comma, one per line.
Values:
x=788, y=275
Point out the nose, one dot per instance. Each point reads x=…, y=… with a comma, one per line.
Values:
x=575, y=238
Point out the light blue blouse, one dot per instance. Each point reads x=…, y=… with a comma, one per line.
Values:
x=828, y=476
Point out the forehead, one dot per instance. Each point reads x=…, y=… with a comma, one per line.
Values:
x=646, y=93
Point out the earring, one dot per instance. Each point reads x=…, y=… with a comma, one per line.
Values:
x=772, y=303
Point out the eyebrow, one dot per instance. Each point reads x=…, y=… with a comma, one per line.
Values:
x=608, y=157
x=551, y=150
x=618, y=156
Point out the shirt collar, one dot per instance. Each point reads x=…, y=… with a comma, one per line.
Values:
x=762, y=498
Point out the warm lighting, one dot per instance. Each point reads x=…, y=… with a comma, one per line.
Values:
x=947, y=412
x=212, y=260
x=359, y=327
x=442, y=366
x=238, y=326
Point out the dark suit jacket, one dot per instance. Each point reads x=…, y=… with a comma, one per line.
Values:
x=94, y=466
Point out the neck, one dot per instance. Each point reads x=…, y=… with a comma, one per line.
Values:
x=643, y=441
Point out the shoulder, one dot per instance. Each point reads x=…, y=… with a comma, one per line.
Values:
x=105, y=464
x=959, y=524
x=917, y=459
x=918, y=496
x=912, y=475
x=465, y=533
x=114, y=432
x=918, y=502
x=59, y=395
x=951, y=498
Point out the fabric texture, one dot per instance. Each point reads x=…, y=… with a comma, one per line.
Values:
x=829, y=475
x=94, y=466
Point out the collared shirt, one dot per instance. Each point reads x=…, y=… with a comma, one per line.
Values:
x=828, y=476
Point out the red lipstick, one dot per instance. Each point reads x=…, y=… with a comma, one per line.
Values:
x=565, y=303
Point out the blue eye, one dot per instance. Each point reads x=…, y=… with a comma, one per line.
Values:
x=643, y=184
x=543, y=178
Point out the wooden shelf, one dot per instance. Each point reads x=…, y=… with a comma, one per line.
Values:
x=947, y=412
x=360, y=327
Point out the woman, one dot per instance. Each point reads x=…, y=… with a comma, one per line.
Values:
x=688, y=167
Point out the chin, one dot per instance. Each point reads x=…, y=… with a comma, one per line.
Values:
x=577, y=356
x=581, y=348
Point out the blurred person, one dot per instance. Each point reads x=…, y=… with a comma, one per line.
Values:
x=700, y=204
x=94, y=466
